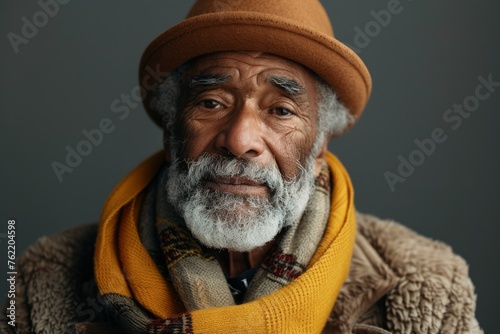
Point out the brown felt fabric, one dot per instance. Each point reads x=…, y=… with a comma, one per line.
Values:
x=298, y=30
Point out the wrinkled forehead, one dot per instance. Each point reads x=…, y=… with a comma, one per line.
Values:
x=240, y=63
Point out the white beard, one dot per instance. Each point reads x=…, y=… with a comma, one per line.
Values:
x=237, y=222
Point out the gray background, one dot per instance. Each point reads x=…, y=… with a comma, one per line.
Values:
x=427, y=59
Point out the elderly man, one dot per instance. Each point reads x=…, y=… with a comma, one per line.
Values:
x=245, y=223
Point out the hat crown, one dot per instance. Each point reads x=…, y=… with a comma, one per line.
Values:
x=307, y=13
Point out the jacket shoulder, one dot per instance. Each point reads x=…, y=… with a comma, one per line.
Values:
x=51, y=276
x=433, y=293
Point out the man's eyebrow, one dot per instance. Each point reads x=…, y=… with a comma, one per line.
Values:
x=207, y=80
x=288, y=85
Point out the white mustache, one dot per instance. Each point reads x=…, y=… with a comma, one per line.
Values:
x=209, y=167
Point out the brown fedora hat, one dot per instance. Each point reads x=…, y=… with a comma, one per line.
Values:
x=295, y=29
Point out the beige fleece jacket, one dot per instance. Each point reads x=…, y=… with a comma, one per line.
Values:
x=399, y=282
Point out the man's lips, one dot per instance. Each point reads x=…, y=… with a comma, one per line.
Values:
x=237, y=185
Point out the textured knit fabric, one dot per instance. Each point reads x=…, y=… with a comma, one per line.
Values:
x=197, y=276
x=124, y=269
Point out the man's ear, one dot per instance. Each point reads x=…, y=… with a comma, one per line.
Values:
x=320, y=157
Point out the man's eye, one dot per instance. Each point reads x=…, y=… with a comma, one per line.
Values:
x=282, y=112
x=210, y=104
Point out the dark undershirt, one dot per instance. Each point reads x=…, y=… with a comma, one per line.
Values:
x=239, y=284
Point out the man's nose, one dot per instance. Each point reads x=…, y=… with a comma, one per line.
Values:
x=242, y=134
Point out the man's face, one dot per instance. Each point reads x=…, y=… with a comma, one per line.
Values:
x=263, y=109
x=248, y=123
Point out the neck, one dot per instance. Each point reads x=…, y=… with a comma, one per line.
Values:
x=235, y=263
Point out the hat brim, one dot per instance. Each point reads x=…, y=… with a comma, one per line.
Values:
x=336, y=63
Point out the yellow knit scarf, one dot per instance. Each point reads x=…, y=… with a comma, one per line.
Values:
x=123, y=266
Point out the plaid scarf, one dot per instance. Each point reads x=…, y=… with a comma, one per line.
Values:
x=156, y=278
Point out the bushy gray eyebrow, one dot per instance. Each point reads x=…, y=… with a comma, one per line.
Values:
x=288, y=85
x=207, y=80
